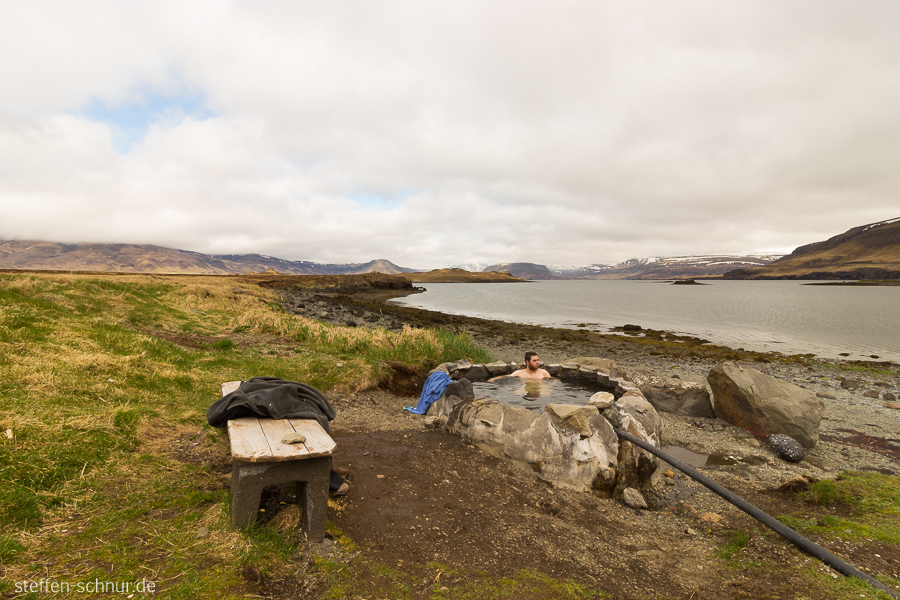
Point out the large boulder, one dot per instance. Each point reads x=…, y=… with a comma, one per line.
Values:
x=684, y=398
x=765, y=405
x=570, y=446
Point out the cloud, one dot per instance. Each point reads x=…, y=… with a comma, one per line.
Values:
x=438, y=133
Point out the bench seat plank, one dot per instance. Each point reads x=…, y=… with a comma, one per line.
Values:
x=259, y=440
x=248, y=442
x=275, y=430
x=318, y=443
x=230, y=386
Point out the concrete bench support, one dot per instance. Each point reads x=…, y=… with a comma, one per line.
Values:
x=311, y=476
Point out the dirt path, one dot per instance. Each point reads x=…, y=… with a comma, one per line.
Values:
x=422, y=497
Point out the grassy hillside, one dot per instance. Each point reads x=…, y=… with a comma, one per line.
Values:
x=105, y=380
x=866, y=252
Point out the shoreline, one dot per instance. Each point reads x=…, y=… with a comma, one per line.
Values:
x=508, y=341
x=666, y=339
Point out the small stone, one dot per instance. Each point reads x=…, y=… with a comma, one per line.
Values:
x=753, y=442
x=432, y=422
x=633, y=498
x=893, y=406
x=602, y=400
x=825, y=395
x=849, y=384
x=293, y=438
x=888, y=397
x=709, y=517
x=797, y=484
x=786, y=447
x=202, y=533
x=669, y=473
x=690, y=531
x=871, y=393
x=380, y=476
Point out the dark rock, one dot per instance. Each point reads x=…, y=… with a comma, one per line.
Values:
x=478, y=373
x=787, y=448
x=461, y=388
x=888, y=397
x=871, y=393
x=849, y=384
x=679, y=398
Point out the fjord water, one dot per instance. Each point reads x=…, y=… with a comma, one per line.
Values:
x=782, y=316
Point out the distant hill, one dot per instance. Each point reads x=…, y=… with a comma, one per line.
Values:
x=671, y=267
x=525, y=271
x=867, y=252
x=143, y=258
x=461, y=276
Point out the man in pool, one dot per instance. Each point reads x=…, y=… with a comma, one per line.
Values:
x=532, y=369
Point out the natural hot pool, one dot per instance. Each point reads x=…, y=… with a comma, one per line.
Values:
x=535, y=395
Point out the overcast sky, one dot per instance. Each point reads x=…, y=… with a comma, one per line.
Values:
x=432, y=133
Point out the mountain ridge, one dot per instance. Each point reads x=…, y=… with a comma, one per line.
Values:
x=148, y=258
x=865, y=252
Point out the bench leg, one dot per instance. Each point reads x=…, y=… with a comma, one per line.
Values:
x=247, y=483
x=312, y=495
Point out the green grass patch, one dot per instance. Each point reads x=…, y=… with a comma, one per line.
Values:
x=874, y=502
x=104, y=385
x=730, y=549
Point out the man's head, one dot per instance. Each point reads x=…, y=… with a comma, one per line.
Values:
x=532, y=362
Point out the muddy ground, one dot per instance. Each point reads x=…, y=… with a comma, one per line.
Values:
x=438, y=510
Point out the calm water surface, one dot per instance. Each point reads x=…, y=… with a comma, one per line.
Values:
x=782, y=316
x=535, y=395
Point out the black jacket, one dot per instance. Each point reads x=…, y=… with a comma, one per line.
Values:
x=274, y=398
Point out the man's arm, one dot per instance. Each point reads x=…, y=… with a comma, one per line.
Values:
x=513, y=374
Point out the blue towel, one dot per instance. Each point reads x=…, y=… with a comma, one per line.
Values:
x=434, y=386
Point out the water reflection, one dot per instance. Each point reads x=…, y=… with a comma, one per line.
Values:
x=532, y=389
x=534, y=395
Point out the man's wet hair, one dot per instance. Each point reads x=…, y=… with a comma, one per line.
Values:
x=528, y=356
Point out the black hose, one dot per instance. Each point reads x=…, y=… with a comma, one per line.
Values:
x=798, y=540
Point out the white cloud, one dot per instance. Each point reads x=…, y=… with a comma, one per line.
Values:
x=562, y=133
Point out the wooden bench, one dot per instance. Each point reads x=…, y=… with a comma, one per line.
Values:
x=260, y=459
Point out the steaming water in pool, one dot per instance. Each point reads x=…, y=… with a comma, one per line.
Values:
x=534, y=395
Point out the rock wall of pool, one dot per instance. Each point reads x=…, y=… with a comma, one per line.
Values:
x=568, y=445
